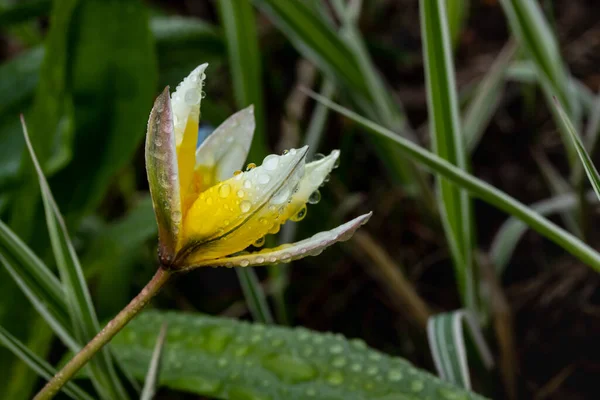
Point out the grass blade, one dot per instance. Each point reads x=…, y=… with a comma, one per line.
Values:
x=81, y=309
x=255, y=295
x=510, y=233
x=237, y=18
x=151, y=381
x=478, y=188
x=41, y=367
x=486, y=98
x=446, y=336
x=457, y=215
x=534, y=34
x=588, y=165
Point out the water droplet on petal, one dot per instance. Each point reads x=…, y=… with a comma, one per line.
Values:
x=335, y=378
x=247, y=184
x=250, y=166
x=339, y=362
x=191, y=97
x=299, y=215
x=281, y=197
x=237, y=172
x=263, y=179
x=272, y=259
x=260, y=260
x=285, y=152
x=225, y=190
x=244, y=263
x=271, y=162
x=336, y=349
x=417, y=386
x=259, y=242
x=209, y=201
x=315, y=197
x=245, y=206
x=394, y=375
x=240, y=194
x=318, y=156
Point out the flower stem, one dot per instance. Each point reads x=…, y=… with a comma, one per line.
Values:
x=105, y=335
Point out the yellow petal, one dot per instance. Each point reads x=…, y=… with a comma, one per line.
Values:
x=230, y=216
x=186, y=116
x=163, y=179
x=309, y=247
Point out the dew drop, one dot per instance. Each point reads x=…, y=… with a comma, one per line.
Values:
x=318, y=156
x=336, y=349
x=315, y=197
x=299, y=215
x=356, y=367
x=289, y=368
x=240, y=194
x=285, y=152
x=335, y=378
x=247, y=184
x=281, y=197
x=244, y=263
x=191, y=97
x=286, y=257
x=372, y=370
x=394, y=375
x=338, y=362
x=209, y=201
x=203, y=94
x=263, y=179
x=245, y=206
x=259, y=243
x=260, y=260
x=271, y=162
x=250, y=167
x=272, y=259
x=237, y=172
x=417, y=386
x=224, y=190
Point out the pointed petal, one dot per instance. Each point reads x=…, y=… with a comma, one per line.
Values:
x=288, y=252
x=315, y=173
x=233, y=214
x=186, y=117
x=226, y=149
x=163, y=176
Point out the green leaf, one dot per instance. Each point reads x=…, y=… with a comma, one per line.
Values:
x=448, y=143
x=478, y=188
x=228, y=359
x=512, y=230
x=457, y=12
x=588, y=165
x=41, y=367
x=237, y=18
x=77, y=296
x=152, y=377
x=446, y=336
x=23, y=11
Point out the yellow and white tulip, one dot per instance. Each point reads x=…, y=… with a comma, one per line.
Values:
x=208, y=210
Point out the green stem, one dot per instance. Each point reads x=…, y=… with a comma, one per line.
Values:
x=105, y=335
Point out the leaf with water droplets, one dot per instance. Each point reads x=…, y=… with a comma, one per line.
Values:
x=228, y=359
x=163, y=174
x=290, y=252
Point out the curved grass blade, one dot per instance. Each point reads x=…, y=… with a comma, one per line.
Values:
x=457, y=213
x=151, y=381
x=79, y=302
x=588, y=165
x=446, y=336
x=214, y=355
x=254, y=295
x=512, y=230
x=478, y=188
x=237, y=18
x=486, y=99
x=41, y=367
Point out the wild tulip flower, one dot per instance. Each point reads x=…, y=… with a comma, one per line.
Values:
x=209, y=210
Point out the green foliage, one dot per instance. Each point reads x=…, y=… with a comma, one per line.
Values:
x=228, y=359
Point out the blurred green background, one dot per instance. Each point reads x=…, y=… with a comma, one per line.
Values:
x=86, y=72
